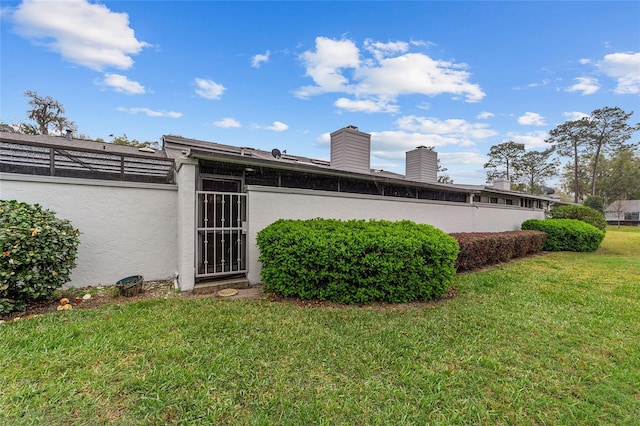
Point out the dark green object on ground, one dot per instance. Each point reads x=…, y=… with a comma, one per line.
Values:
x=130, y=286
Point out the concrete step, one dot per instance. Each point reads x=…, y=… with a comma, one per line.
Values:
x=215, y=286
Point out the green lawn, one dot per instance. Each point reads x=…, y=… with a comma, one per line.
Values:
x=553, y=339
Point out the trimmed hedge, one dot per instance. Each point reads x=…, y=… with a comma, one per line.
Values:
x=38, y=253
x=479, y=249
x=567, y=234
x=585, y=214
x=356, y=261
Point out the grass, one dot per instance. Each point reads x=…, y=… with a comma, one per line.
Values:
x=550, y=340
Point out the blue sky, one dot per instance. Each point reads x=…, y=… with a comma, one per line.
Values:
x=459, y=76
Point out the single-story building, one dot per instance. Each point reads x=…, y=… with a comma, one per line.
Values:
x=623, y=212
x=192, y=210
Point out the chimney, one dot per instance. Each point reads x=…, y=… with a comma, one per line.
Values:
x=422, y=165
x=502, y=183
x=69, y=134
x=351, y=150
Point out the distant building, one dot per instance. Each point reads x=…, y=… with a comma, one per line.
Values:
x=624, y=212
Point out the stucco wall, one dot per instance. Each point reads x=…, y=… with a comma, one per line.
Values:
x=126, y=228
x=266, y=205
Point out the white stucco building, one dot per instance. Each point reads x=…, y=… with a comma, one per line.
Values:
x=192, y=211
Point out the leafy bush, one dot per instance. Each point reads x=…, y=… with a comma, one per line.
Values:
x=567, y=234
x=356, y=261
x=38, y=253
x=479, y=249
x=594, y=202
x=585, y=214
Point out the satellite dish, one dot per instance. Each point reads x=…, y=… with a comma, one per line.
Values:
x=276, y=153
x=547, y=190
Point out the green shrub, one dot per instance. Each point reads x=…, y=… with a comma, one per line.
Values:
x=479, y=249
x=356, y=261
x=585, y=214
x=594, y=202
x=38, y=253
x=566, y=234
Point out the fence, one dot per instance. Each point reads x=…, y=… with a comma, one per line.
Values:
x=48, y=160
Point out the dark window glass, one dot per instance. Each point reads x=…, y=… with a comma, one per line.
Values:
x=355, y=186
x=399, y=191
x=221, y=185
x=222, y=169
x=308, y=181
x=261, y=176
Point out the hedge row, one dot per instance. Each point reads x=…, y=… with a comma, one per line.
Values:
x=356, y=261
x=567, y=234
x=582, y=213
x=480, y=249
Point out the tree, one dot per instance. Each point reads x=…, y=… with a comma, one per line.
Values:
x=443, y=178
x=504, y=154
x=618, y=207
x=607, y=131
x=594, y=202
x=48, y=114
x=620, y=177
x=534, y=167
x=124, y=140
x=569, y=140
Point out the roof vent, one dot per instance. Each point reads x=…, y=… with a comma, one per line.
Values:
x=276, y=153
x=69, y=135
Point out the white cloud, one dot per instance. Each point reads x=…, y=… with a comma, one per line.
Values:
x=365, y=105
x=121, y=83
x=531, y=119
x=625, y=68
x=381, y=50
x=388, y=71
x=416, y=73
x=277, y=126
x=540, y=83
x=84, y=33
x=453, y=127
x=227, y=122
x=151, y=113
x=258, y=59
x=392, y=145
x=532, y=140
x=325, y=64
x=464, y=158
x=484, y=115
x=574, y=115
x=209, y=89
x=586, y=85
x=584, y=61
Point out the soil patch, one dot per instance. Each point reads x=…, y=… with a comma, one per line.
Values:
x=93, y=297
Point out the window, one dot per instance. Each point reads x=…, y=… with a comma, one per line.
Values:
x=508, y=202
x=356, y=186
x=493, y=200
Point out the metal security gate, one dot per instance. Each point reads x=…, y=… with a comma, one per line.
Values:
x=221, y=234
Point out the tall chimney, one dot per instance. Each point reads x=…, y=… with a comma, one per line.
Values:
x=351, y=150
x=422, y=165
x=502, y=183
